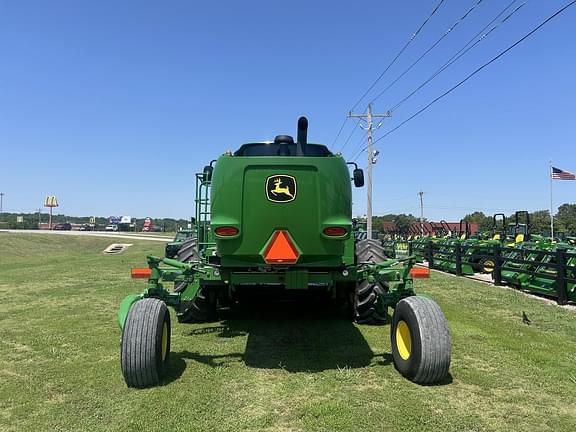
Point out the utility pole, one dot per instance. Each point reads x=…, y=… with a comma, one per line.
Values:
x=551, y=204
x=39, y=217
x=1, y=203
x=369, y=116
x=421, y=213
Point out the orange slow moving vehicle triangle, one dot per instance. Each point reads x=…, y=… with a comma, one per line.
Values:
x=281, y=250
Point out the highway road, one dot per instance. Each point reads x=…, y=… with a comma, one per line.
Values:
x=132, y=236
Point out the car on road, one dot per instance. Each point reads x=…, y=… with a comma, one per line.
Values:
x=111, y=228
x=62, y=227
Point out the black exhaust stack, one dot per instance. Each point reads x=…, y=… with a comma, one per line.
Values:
x=302, y=136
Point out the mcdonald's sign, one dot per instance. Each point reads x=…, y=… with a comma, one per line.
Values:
x=50, y=201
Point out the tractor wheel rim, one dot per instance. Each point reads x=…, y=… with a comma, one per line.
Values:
x=488, y=266
x=164, y=341
x=403, y=340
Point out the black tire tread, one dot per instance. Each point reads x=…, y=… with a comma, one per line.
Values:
x=366, y=309
x=201, y=308
x=435, y=343
x=139, y=346
x=368, y=250
x=189, y=251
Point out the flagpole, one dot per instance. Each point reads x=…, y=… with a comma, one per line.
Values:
x=551, y=205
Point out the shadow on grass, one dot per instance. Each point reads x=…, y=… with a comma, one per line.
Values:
x=286, y=335
x=446, y=381
x=293, y=336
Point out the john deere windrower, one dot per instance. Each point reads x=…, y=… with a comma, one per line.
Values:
x=274, y=218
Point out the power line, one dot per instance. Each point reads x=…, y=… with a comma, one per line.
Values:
x=349, y=136
x=397, y=55
x=434, y=45
x=446, y=93
x=469, y=208
x=339, y=131
x=462, y=51
x=404, y=197
x=358, y=148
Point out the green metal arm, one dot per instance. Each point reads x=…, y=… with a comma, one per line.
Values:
x=387, y=270
x=154, y=287
x=398, y=279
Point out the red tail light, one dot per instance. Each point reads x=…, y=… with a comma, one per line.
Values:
x=335, y=231
x=226, y=231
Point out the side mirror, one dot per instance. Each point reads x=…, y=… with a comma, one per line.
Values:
x=358, y=177
x=208, y=173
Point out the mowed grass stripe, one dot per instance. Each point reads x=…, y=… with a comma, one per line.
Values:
x=275, y=370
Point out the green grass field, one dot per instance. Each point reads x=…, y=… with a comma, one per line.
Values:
x=269, y=370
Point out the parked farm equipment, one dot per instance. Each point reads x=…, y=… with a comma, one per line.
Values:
x=444, y=252
x=271, y=219
x=172, y=248
x=478, y=252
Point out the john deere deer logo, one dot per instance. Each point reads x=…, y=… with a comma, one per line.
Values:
x=281, y=188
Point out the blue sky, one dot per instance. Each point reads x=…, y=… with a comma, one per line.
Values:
x=113, y=106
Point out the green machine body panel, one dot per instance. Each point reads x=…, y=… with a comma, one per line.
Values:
x=242, y=197
x=244, y=201
x=273, y=224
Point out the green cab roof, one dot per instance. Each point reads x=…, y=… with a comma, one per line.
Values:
x=281, y=149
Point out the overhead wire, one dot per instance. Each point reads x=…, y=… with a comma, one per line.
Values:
x=349, y=136
x=434, y=45
x=358, y=147
x=477, y=70
x=339, y=131
x=414, y=35
x=465, y=49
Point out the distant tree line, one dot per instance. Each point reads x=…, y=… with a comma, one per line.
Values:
x=402, y=221
x=564, y=220
x=31, y=220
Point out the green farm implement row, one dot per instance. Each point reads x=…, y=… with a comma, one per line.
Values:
x=537, y=265
x=274, y=219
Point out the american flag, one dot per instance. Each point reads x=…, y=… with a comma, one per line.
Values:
x=558, y=174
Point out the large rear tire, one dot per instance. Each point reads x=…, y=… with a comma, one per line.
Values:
x=421, y=346
x=145, y=346
x=369, y=251
x=189, y=250
x=368, y=306
x=202, y=307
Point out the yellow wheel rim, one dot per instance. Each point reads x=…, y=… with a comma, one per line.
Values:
x=403, y=340
x=488, y=266
x=164, y=341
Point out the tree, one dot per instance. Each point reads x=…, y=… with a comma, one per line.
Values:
x=566, y=217
x=378, y=221
x=540, y=221
x=404, y=221
x=484, y=222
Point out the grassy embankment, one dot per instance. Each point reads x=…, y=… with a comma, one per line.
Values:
x=278, y=370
